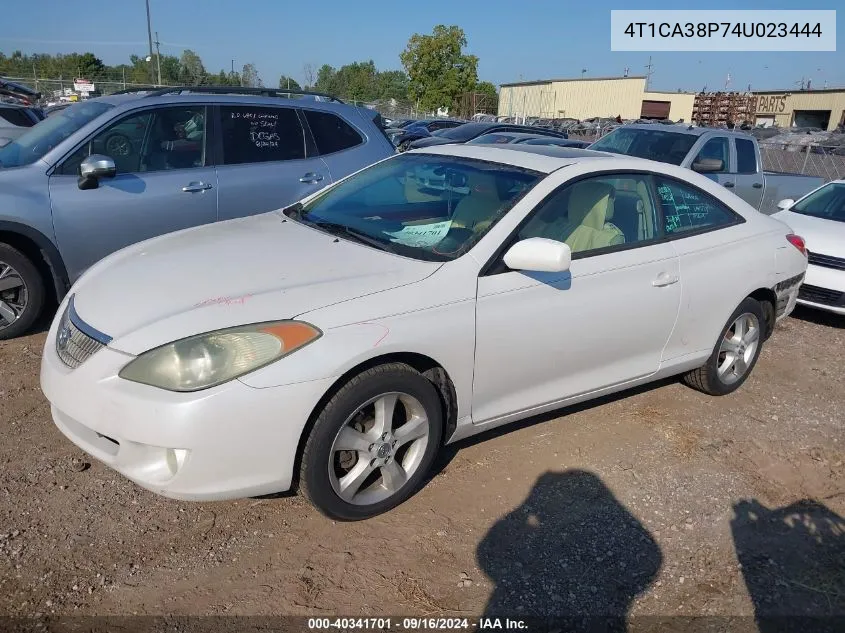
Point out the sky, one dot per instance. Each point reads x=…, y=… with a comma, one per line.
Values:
x=514, y=41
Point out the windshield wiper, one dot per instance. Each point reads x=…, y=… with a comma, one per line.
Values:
x=336, y=228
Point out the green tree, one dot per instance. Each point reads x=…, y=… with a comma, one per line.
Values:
x=326, y=80
x=289, y=82
x=439, y=70
x=191, y=70
x=486, y=88
x=392, y=84
x=249, y=76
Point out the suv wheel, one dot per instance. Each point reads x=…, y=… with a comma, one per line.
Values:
x=21, y=292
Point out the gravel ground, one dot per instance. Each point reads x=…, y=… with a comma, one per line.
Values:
x=660, y=501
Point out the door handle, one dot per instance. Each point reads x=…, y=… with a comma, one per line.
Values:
x=311, y=177
x=757, y=185
x=729, y=184
x=194, y=187
x=665, y=279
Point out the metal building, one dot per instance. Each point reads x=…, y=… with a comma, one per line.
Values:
x=801, y=108
x=593, y=97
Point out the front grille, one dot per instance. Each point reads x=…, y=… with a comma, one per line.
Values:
x=822, y=295
x=828, y=261
x=74, y=346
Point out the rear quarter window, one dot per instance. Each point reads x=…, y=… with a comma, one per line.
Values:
x=16, y=116
x=331, y=133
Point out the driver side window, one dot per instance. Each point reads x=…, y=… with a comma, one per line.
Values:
x=715, y=148
x=153, y=140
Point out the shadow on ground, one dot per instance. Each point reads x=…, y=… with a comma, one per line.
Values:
x=793, y=563
x=571, y=550
x=819, y=317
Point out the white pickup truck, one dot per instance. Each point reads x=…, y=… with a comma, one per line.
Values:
x=728, y=157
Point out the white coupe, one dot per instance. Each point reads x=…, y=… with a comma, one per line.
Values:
x=336, y=345
x=820, y=217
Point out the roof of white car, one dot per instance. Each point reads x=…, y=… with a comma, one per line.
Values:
x=543, y=159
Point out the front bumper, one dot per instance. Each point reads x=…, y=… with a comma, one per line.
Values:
x=227, y=442
x=823, y=288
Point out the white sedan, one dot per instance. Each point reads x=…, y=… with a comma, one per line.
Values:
x=336, y=345
x=820, y=217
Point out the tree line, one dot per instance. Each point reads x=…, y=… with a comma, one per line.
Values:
x=436, y=72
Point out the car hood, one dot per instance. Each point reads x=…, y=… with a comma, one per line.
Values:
x=825, y=237
x=430, y=141
x=242, y=271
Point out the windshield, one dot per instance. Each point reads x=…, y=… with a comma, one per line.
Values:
x=827, y=203
x=465, y=132
x=417, y=205
x=660, y=145
x=44, y=136
x=491, y=139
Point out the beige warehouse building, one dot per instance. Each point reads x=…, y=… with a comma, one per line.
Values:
x=627, y=97
x=801, y=108
x=584, y=98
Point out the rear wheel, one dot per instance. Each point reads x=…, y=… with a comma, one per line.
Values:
x=373, y=443
x=21, y=292
x=735, y=353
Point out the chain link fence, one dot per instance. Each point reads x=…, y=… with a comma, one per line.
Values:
x=826, y=162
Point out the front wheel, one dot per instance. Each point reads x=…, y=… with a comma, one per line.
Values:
x=735, y=353
x=373, y=443
x=22, y=292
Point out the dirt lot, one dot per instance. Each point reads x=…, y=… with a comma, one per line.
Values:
x=660, y=501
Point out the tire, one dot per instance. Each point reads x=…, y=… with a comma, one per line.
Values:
x=118, y=145
x=708, y=378
x=22, y=297
x=346, y=419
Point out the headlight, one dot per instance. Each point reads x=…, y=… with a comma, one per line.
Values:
x=209, y=359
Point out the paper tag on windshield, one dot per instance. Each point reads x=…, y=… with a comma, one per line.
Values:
x=422, y=235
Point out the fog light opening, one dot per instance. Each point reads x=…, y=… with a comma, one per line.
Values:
x=176, y=459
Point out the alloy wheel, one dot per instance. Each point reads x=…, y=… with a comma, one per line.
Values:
x=13, y=295
x=379, y=448
x=738, y=348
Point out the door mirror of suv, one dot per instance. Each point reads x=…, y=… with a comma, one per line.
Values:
x=539, y=254
x=708, y=165
x=94, y=167
x=785, y=203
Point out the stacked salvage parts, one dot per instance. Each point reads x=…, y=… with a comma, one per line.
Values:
x=724, y=109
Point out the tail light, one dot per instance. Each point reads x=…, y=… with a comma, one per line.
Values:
x=798, y=242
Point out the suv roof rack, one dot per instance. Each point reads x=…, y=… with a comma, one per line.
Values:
x=127, y=91
x=237, y=90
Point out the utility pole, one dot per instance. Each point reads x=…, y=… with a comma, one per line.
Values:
x=150, y=38
x=124, y=77
x=35, y=76
x=649, y=71
x=158, y=59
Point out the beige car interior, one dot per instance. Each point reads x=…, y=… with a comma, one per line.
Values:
x=599, y=213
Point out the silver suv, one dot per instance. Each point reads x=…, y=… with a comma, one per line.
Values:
x=111, y=171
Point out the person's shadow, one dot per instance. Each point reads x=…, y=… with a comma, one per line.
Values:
x=570, y=553
x=793, y=563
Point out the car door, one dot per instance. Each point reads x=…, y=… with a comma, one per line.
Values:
x=716, y=147
x=164, y=183
x=545, y=337
x=749, y=174
x=341, y=145
x=719, y=260
x=264, y=163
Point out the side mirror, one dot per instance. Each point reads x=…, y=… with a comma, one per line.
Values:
x=94, y=167
x=785, y=203
x=539, y=254
x=708, y=165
